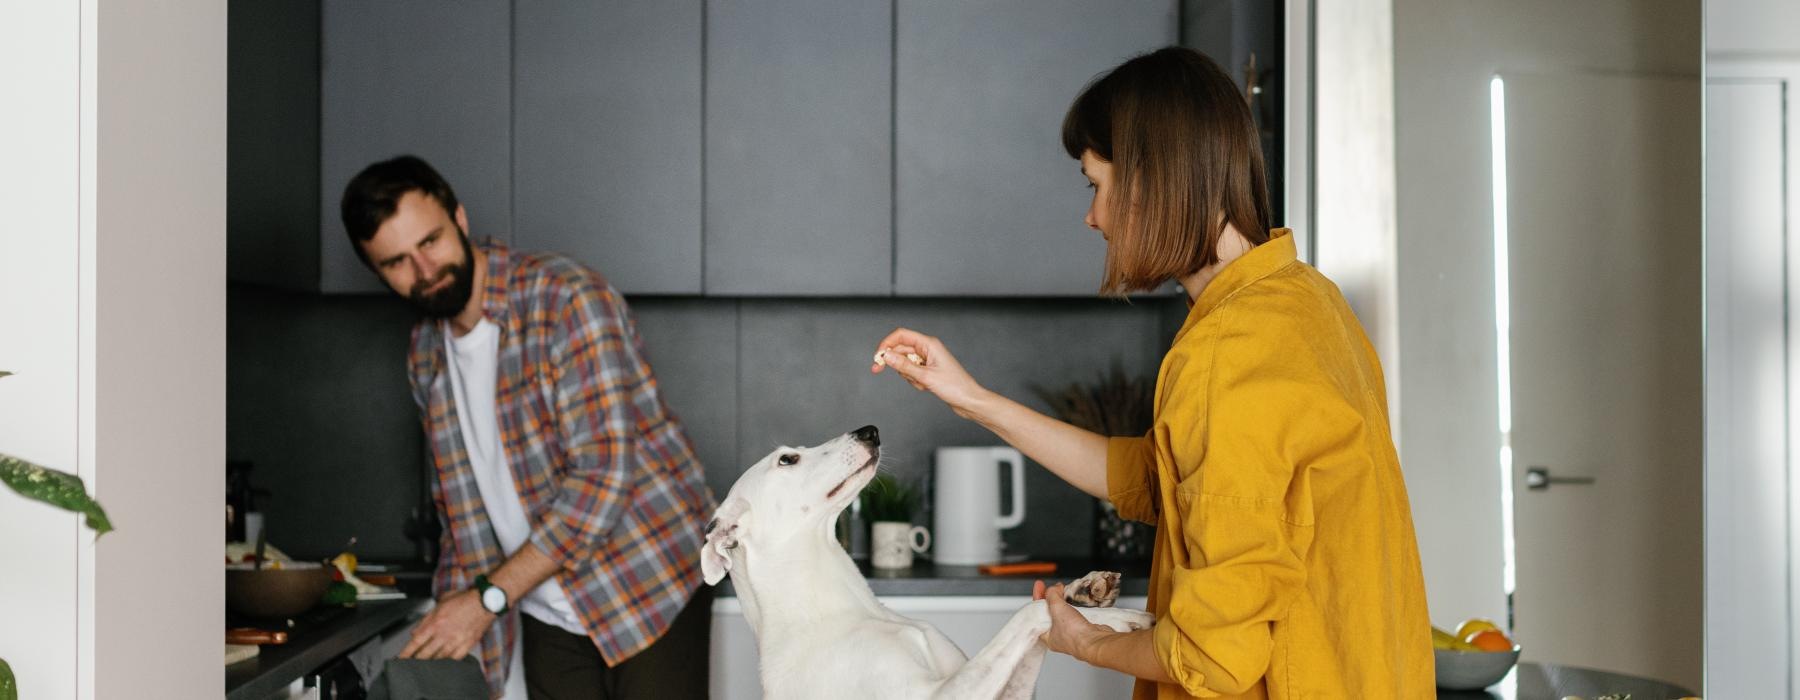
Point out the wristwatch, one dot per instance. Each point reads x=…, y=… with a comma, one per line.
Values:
x=493, y=597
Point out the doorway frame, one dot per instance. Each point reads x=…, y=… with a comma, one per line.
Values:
x=1726, y=68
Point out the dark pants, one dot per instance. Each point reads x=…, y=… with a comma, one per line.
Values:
x=564, y=666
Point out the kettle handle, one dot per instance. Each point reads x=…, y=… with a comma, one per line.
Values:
x=1016, y=514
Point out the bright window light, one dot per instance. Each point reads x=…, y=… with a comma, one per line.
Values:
x=1502, y=324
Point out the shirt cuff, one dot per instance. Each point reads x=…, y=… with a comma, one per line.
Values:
x=564, y=544
x=1128, y=483
x=1191, y=668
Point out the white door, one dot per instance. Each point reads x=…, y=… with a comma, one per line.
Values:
x=1747, y=358
x=1602, y=176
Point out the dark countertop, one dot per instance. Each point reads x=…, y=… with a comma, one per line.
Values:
x=926, y=578
x=312, y=645
x=1540, y=681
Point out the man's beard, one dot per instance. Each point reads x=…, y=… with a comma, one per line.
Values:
x=453, y=298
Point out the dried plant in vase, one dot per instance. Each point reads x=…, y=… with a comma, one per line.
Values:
x=1116, y=404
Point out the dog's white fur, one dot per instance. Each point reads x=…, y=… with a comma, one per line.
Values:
x=819, y=629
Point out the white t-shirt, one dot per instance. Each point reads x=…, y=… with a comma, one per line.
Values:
x=474, y=362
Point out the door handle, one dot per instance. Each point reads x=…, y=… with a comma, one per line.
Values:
x=1538, y=479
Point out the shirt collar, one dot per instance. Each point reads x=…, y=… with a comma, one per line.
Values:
x=1259, y=262
x=493, y=293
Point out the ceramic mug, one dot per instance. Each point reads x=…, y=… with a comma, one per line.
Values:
x=893, y=544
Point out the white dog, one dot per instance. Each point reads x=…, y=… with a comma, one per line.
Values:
x=820, y=630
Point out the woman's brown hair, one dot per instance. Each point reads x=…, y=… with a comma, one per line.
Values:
x=1186, y=160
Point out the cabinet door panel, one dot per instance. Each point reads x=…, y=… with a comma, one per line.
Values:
x=986, y=202
x=969, y=621
x=607, y=113
x=798, y=148
x=419, y=77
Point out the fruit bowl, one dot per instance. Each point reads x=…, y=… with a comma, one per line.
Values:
x=1473, y=670
x=270, y=592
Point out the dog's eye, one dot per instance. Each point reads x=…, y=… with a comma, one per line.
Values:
x=788, y=460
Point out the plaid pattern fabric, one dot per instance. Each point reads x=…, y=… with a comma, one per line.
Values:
x=603, y=469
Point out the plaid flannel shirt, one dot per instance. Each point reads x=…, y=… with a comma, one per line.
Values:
x=603, y=469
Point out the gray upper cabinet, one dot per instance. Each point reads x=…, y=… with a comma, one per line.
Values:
x=986, y=202
x=272, y=145
x=799, y=159
x=684, y=147
x=318, y=89
x=418, y=77
x=607, y=117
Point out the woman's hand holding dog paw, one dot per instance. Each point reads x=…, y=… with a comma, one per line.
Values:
x=1070, y=633
x=927, y=365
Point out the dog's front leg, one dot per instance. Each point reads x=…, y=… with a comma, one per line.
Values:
x=995, y=668
x=1025, y=674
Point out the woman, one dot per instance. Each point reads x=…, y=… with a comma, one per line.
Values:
x=1285, y=562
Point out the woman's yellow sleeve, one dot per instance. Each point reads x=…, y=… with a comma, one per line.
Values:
x=1239, y=572
x=1131, y=478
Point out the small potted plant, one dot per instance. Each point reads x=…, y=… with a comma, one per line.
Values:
x=888, y=504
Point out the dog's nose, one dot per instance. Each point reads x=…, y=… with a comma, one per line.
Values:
x=867, y=434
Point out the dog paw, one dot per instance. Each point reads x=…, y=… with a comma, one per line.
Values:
x=1098, y=589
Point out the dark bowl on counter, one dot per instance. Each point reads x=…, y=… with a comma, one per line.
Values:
x=267, y=592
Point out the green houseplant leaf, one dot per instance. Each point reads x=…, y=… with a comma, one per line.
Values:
x=60, y=489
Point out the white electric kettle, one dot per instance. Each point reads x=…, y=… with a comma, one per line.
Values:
x=965, y=506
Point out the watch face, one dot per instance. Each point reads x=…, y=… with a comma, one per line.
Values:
x=493, y=599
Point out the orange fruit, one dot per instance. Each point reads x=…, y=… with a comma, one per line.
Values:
x=1491, y=640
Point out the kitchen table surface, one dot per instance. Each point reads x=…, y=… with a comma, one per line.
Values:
x=1541, y=681
x=277, y=665
x=927, y=578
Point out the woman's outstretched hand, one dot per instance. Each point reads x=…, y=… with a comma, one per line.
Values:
x=927, y=365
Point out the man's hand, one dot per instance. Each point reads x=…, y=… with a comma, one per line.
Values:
x=451, y=629
x=1070, y=633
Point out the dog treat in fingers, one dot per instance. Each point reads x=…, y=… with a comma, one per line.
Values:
x=1098, y=589
x=881, y=358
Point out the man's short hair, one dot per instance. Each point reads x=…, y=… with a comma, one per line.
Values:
x=371, y=197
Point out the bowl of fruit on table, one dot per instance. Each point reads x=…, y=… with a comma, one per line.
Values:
x=1476, y=656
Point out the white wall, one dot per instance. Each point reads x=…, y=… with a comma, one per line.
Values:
x=112, y=286
x=1445, y=52
x=1354, y=168
x=159, y=380
x=40, y=547
x=1752, y=27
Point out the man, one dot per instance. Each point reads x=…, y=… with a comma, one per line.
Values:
x=568, y=491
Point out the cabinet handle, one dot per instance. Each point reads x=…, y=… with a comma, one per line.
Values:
x=1538, y=479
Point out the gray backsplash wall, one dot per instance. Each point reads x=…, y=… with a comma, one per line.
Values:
x=318, y=397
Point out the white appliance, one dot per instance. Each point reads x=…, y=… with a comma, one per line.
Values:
x=966, y=519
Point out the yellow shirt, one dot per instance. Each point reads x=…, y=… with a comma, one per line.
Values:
x=1285, y=562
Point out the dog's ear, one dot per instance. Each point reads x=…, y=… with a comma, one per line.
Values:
x=722, y=535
